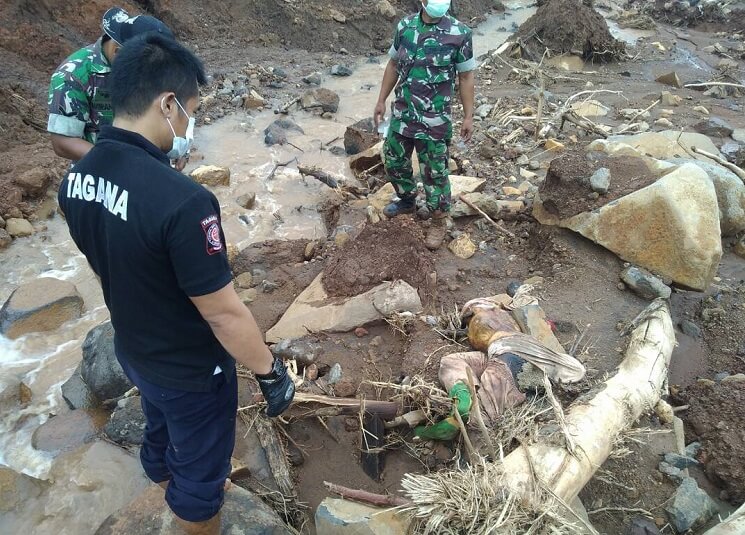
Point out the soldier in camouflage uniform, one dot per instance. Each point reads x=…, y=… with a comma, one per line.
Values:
x=428, y=49
x=79, y=102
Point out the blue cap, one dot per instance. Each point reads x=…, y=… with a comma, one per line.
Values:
x=118, y=25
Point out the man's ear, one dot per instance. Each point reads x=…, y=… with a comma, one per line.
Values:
x=167, y=104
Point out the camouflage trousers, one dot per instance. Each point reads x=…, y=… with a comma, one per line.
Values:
x=433, y=164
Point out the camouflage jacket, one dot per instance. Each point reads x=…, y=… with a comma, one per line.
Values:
x=79, y=103
x=427, y=57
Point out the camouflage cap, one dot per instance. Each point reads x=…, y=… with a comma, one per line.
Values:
x=118, y=25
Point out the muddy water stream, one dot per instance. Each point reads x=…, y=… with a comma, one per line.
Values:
x=91, y=482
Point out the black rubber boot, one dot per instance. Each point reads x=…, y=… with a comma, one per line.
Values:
x=406, y=205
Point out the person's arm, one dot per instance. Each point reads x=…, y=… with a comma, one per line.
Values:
x=235, y=328
x=72, y=148
x=390, y=77
x=465, y=65
x=69, y=112
x=466, y=82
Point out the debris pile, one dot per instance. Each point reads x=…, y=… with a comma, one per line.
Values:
x=568, y=27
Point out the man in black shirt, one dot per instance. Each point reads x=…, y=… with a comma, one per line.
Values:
x=153, y=237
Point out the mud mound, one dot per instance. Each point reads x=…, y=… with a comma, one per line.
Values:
x=716, y=414
x=387, y=251
x=566, y=191
x=568, y=26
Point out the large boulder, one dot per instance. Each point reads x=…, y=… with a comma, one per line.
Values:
x=335, y=516
x=321, y=99
x=126, y=426
x=670, y=227
x=76, y=393
x=42, y=305
x=313, y=311
x=360, y=136
x=211, y=175
x=661, y=145
x=243, y=513
x=690, y=507
x=730, y=195
x=100, y=369
x=17, y=488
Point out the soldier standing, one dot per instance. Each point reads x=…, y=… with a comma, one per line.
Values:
x=79, y=101
x=428, y=49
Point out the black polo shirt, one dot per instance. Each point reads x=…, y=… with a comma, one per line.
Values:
x=154, y=238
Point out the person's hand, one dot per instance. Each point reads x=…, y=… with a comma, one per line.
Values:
x=181, y=163
x=278, y=388
x=466, y=129
x=379, y=114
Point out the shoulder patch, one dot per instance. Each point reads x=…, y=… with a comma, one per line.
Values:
x=211, y=228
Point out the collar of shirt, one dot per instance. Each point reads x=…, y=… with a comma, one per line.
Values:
x=98, y=59
x=444, y=24
x=119, y=135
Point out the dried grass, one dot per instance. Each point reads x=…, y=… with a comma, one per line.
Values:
x=474, y=500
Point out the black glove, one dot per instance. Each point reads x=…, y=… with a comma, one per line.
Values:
x=277, y=387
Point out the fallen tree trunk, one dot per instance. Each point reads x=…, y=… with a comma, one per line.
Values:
x=734, y=524
x=595, y=423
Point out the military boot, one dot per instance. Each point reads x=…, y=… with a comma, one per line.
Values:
x=437, y=230
x=405, y=205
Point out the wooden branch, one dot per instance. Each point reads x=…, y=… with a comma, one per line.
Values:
x=483, y=214
x=721, y=161
x=472, y=455
x=734, y=524
x=285, y=109
x=712, y=84
x=275, y=455
x=378, y=500
x=572, y=117
x=387, y=410
x=318, y=174
x=539, y=114
x=277, y=166
x=645, y=110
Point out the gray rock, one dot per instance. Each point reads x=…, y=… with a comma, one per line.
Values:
x=484, y=110
x=643, y=526
x=237, y=101
x=739, y=135
x=676, y=474
x=691, y=329
x=243, y=513
x=730, y=149
x=644, y=283
x=247, y=200
x=600, y=181
x=276, y=133
x=126, y=426
x=302, y=350
x=320, y=99
x=279, y=73
x=341, y=517
x=680, y=461
x=100, y=369
x=77, y=394
x=5, y=239
x=714, y=127
x=721, y=376
x=522, y=160
x=10, y=393
x=2, y=222
x=341, y=70
x=691, y=507
x=313, y=79
x=692, y=449
x=268, y=286
x=227, y=87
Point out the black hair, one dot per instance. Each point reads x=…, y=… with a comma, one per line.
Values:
x=149, y=65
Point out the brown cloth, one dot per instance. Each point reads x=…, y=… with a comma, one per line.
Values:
x=493, y=380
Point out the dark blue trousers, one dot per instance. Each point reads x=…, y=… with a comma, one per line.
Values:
x=189, y=439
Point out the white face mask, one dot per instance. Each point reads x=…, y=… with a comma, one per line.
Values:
x=181, y=145
x=437, y=8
